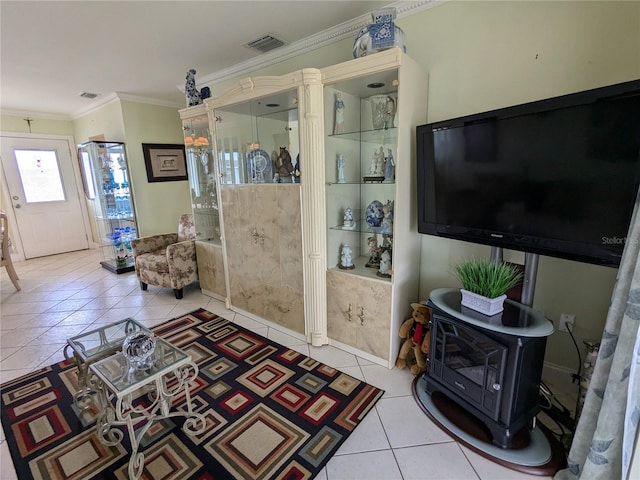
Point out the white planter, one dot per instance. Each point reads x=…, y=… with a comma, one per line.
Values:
x=484, y=305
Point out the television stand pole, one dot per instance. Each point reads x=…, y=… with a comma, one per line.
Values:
x=529, y=277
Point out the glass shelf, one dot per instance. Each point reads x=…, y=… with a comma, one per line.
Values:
x=388, y=135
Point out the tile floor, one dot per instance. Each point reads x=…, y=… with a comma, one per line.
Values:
x=63, y=295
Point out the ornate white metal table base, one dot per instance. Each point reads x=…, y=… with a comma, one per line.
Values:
x=117, y=395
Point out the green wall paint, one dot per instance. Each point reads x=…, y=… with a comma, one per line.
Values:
x=17, y=124
x=159, y=204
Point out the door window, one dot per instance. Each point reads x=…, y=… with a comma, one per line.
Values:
x=40, y=175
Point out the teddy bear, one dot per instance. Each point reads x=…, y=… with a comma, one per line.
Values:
x=416, y=332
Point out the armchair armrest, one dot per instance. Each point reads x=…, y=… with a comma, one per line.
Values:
x=181, y=255
x=152, y=243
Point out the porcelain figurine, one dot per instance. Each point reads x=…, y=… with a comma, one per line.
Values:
x=389, y=167
x=390, y=112
x=387, y=219
x=347, y=221
x=374, y=252
x=385, y=265
x=339, y=108
x=190, y=90
x=341, y=168
x=346, y=262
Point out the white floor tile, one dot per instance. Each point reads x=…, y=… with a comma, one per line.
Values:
x=441, y=461
x=7, y=472
x=379, y=465
x=333, y=356
x=395, y=383
x=367, y=437
x=488, y=470
x=406, y=424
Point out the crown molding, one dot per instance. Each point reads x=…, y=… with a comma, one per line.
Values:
x=117, y=96
x=149, y=100
x=312, y=42
x=42, y=115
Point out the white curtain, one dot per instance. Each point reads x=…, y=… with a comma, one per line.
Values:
x=604, y=440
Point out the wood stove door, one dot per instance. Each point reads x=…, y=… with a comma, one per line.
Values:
x=469, y=364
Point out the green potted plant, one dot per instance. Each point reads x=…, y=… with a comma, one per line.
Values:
x=485, y=282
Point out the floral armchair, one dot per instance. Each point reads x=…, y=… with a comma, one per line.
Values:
x=167, y=260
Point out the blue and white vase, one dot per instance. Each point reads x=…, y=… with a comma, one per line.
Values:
x=380, y=35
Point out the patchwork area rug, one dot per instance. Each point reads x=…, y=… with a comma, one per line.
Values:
x=271, y=412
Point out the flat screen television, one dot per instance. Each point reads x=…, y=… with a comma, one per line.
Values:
x=555, y=177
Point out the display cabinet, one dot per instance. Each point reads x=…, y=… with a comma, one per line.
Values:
x=268, y=148
x=108, y=188
x=201, y=166
x=372, y=106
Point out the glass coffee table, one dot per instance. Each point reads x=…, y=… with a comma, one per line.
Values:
x=119, y=385
x=89, y=347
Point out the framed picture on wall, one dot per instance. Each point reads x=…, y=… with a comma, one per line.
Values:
x=164, y=162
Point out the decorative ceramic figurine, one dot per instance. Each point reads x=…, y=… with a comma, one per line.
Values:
x=390, y=112
x=341, y=168
x=339, y=107
x=387, y=219
x=380, y=35
x=296, y=168
x=376, y=167
x=285, y=167
x=389, y=167
x=374, y=214
x=190, y=90
x=346, y=262
x=385, y=265
x=347, y=222
x=374, y=252
x=205, y=92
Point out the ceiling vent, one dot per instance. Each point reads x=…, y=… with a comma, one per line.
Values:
x=265, y=43
x=89, y=95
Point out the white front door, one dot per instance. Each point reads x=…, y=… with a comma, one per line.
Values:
x=43, y=193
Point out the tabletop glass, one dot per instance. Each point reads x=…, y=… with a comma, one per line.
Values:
x=106, y=339
x=119, y=375
x=516, y=319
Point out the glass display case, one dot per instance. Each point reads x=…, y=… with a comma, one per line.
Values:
x=372, y=106
x=202, y=176
x=108, y=188
x=361, y=148
x=268, y=144
x=202, y=169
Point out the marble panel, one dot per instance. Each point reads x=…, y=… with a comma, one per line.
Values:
x=285, y=307
x=211, y=268
x=374, y=332
x=290, y=232
x=340, y=297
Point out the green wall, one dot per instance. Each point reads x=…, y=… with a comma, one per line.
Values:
x=17, y=124
x=159, y=204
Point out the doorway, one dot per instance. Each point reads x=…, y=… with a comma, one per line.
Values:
x=43, y=194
